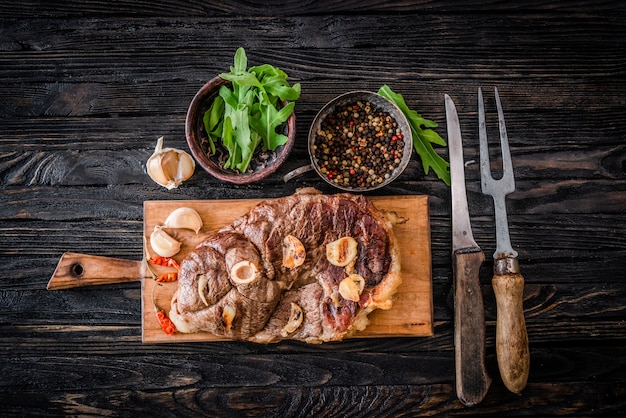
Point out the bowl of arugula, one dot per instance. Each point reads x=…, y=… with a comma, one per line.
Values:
x=241, y=125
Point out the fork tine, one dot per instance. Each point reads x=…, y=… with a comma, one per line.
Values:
x=507, y=165
x=486, y=180
x=506, y=184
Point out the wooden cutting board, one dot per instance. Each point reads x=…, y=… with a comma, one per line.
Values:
x=412, y=311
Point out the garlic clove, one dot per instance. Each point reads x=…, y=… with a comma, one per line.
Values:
x=185, y=218
x=294, y=253
x=228, y=316
x=203, y=280
x=295, y=320
x=342, y=251
x=351, y=287
x=163, y=244
x=169, y=167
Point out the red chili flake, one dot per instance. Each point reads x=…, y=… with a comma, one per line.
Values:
x=166, y=323
x=171, y=276
x=164, y=261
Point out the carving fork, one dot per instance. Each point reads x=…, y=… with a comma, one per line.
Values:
x=508, y=284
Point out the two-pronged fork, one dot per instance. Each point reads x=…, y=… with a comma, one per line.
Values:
x=508, y=283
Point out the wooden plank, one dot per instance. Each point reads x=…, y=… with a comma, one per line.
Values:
x=412, y=312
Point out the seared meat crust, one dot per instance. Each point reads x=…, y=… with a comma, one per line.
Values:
x=262, y=303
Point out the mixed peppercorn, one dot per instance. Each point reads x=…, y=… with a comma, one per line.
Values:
x=358, y=146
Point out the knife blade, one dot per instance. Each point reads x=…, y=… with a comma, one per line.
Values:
x=472, y=379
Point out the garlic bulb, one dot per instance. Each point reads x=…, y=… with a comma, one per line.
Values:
x=169, y=167
x=185, y=218
x=163, y=244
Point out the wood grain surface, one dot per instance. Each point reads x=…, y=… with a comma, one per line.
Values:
x=412, y=311
x=86, y=88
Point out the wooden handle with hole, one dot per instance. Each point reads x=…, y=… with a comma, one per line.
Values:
x=77, y=270
x=511, y=336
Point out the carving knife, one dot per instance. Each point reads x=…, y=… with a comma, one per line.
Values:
x=472, y=379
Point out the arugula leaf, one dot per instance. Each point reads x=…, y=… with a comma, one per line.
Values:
x=213, y=121
x=244, y=79
x=281, y=89
x=269, y=119
x=267, y=70
x=241, y=62
x=246, y=157
x=228, y=142
x=250, y=111
x=242, y=137
x=423, y=136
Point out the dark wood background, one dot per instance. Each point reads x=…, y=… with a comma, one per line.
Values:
x=86, y=88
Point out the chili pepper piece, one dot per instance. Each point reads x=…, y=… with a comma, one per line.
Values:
x=170, y=276
x=166, y=323
x=164, y=261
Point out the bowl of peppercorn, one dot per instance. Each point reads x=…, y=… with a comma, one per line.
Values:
x=360, y=141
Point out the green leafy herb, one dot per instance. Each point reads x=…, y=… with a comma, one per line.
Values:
x=247, y=113
x=423, y=136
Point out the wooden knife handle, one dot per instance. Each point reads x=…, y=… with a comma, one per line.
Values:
x=472, y=380
x=511, y=336
x=76, y=270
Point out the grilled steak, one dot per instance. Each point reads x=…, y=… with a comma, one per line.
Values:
x=247, y=281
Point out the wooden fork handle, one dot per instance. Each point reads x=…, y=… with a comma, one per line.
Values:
x=76, y=270
x=511, y=335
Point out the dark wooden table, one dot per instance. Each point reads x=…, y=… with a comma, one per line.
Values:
x=87, y=87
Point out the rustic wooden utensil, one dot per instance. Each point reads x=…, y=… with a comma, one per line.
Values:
x=472, y=379
x=508, y=284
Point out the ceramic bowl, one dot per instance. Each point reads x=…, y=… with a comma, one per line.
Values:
x=263, y=164
x=381, y=104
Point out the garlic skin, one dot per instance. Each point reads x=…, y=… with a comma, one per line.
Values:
x=163, y=244
x=184, y=218
x=169, y=167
